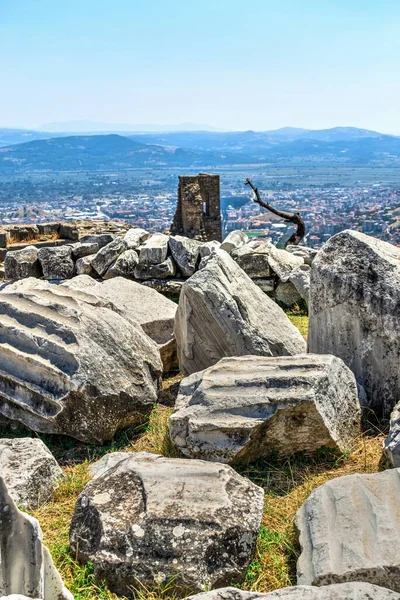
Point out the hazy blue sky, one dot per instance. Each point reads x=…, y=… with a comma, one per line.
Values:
x=233, y=64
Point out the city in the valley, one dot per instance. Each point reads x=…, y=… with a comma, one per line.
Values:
x=329, y=199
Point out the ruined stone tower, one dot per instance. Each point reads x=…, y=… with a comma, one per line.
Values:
x=198, y=213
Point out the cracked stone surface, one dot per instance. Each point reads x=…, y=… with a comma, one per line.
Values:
x=349, y=530
x=354, y=310
x=26, y=565
x=149, y=518
x=222, y=312
x=247, y=407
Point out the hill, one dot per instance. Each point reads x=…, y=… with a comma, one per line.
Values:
x=98, y=152
x=248, y=141
x=335, y=147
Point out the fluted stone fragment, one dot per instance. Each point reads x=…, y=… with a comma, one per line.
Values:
x=70, y=364
x=153, y=311
x=247, y=407
x=349, y=530
x=26, y=564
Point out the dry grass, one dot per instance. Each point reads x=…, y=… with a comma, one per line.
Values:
x=287, y=483
x=301, y=322
x=13, y=239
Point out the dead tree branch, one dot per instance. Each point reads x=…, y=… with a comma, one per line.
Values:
x=294, y=218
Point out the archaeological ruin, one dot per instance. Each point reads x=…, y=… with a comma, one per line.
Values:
x=198, y=213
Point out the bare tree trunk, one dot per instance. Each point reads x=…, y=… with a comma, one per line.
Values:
x=294, y=218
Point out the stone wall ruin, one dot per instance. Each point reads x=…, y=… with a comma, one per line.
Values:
x=198, y=213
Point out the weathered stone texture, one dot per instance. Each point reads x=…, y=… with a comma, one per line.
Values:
x=392, y=443
x=26, y=565
x=355, y=312
x=286, y=294
x=307, y=254
x=283, y=263
x=23, y=263
x=80, y=249
x=198, y=212
x=253, y=261
x=135, y=237
x=208, y=248
x=153, y=311
x=222, y=312
x=83, y=266
x=124, y=266
x=185, y=253
x=300, y=278
x=350, y=531
x=102, y=239
x=29, y=470
x=69, y=231
x=56, y=263
x=154, y=250
x=234, y=240
x=160, y=271
x=107, y=255
x=148, y=519
x=69, y=363
x=340, y=591
x=247, y=407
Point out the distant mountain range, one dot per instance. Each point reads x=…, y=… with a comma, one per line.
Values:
x=98, y=152
x=244, y=140
x=199, y=149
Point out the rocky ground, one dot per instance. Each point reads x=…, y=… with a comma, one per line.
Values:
x=287, y=483
x=247, y=469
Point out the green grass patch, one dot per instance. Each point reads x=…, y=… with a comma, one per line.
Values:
x=301, y=322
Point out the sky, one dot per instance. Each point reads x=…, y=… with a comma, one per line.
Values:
x=230, y=64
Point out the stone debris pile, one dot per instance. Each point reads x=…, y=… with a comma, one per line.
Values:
x=82, y=353
x=154, y=258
